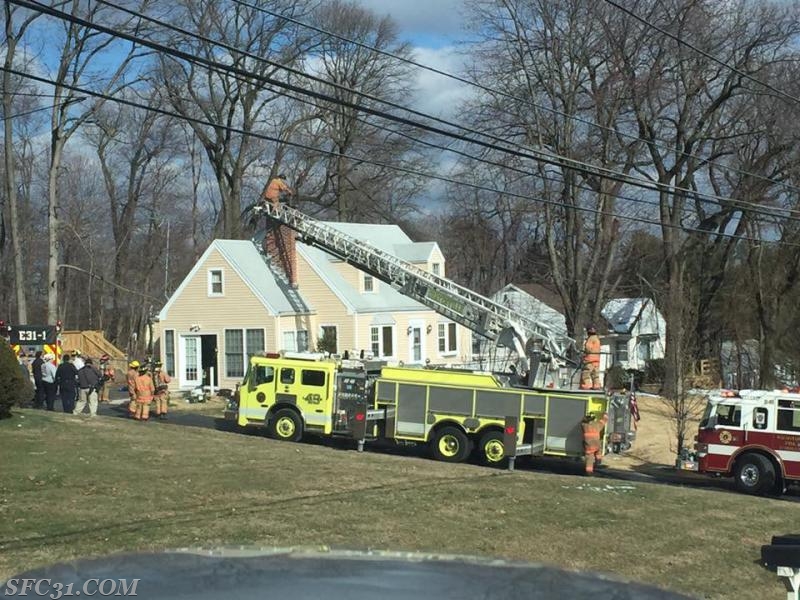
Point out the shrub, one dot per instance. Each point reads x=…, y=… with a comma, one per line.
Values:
x=327, y=343
x=14, y=388
x=654, y=371
x=616, y=378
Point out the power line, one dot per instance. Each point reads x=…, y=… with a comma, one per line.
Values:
x=462, y=153
x=663, y=145
x=42, y=108
x=538, y=155
x=702, y=52
x=398, y=168
x=33, y=94
x=759, y=209
x=425, y=142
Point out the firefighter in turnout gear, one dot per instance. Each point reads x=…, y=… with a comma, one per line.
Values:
x=144, y=390
x=592, y=439
x=277, y=190
x=590, y=375
x=133, y=373
x=161, y=380
x=108, y=373
x=279, y=240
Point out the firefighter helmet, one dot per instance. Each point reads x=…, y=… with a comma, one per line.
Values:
x=134, y=364
x=591, y=330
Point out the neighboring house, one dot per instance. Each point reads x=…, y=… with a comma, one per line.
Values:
x=234, y=303
x=533, y=301
x=636, y=332
x=740, y=364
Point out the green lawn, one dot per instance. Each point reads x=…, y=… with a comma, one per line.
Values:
x=73, y=487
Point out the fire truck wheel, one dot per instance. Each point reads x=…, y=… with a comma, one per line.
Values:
x=286, y=425
x=490, y=448
x=754, y=474
x=450, y=444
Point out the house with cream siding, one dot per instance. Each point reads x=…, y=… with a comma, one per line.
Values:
x=236, y=302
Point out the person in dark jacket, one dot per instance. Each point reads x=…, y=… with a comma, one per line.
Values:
x=36, y=369
x=89, y=382
x=67, y=381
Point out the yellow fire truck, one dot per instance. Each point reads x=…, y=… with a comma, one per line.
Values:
x=456, y=413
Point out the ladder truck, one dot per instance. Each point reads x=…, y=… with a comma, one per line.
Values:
x=541, y=351
x=458, y=413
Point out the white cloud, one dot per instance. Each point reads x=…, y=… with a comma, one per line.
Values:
x=439, y=95
x=433, y=22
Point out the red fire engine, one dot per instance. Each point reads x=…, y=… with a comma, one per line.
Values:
x=752, y=435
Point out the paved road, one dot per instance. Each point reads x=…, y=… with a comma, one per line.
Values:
x=664, y=476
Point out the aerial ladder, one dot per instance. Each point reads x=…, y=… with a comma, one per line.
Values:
x=541, y=350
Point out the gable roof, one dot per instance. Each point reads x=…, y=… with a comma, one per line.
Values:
x=389, y=238
x=249, y=264
x=525, y=303
x=415, y=252
x=544, y=294
x=622, y=313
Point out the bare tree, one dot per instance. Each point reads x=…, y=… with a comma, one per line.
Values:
x=681, y=102
x=547, y=66
x=137, y=156
x=246, y=35
x=354, y=189
x=15, y=27
x=81, y=46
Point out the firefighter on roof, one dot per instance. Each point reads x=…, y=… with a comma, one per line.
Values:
x=590, y=375
x=277, y=190
x=279, y=240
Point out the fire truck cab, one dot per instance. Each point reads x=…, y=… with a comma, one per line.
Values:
x=753, y=436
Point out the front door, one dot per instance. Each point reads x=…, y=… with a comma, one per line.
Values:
x=191, y=361
x=416, y=342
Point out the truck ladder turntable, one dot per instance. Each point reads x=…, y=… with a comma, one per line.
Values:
x=482, y=315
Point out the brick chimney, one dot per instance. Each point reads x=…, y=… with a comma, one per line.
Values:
x=281, y=245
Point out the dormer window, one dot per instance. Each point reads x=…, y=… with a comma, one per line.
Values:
x=369, y=283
